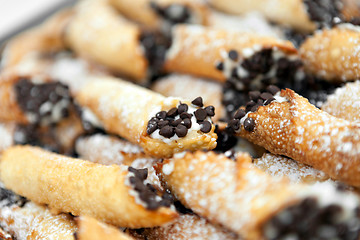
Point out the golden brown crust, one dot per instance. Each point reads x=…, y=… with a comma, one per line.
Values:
x=345, y=102
x=196, y=50
x=299, y=130
x=97, y=32
x=333, y=54
x=45, y=38
x=291, y=13
x=226, y=192
x=77, y=186
x=33, y=222
x=91, y=229
x=125, y=109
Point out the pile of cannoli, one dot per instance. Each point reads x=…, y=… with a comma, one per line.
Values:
x=183, y=119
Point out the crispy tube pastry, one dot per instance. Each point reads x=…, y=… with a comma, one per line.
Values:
x=83, y=188
x=333, y=54
x=46, y=38
x=97, y=32
x=197, y=50
x=302, y=15
x=91, y=229
x=250, y=202
x=162, y=14
x=149, y=119
x=345, y=102
x=287, y=124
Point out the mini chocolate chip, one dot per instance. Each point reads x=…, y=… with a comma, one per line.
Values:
x=205, y=126
x=260, y=102
x=234, y=124
x=249, y=124
x=75, y=235
x=249, y=105
x=176, y=122
x=187, y=122
x=233, y=55
x=167, y=131
x=254, y=108
x=240, y=114
x=234, y=73
x=163, y=123
x=185, y=115
x=266, y=95
x=272, y=89
x=220, y=66
x=268, y=101
x=200, y=114
x=181, y=130
x=210, y=110
x=152, y=205
x=198, y=102
x=172, y=112
x=254, y=95
x=182, y=108
x=151, y=127
x=161, y=115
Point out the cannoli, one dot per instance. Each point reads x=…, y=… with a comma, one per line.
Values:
x=190, y=87
x=46, y=38
x=108, y=150
x=28, y=101
x=345, y=102
x=333, y=54
x=91, y=229
x=114, y=194
x=98, y=33
x=162, y=14
x=303, y=15
x=219, y=54
x=287, y=124
x=161, y=126
x=187, y=226
x=258, y=206
x=285, y=167
x=27, y=220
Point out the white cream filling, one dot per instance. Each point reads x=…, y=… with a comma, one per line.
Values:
x=348, y=26
x=168, y=168
x=90, y=117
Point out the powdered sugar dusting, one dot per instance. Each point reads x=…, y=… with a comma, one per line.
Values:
x=345, y=102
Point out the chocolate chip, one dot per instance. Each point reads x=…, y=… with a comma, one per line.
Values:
x=172, y=112
x=182, y=108
x=240, y=114
x=151, y=127
x=233, y=55
x=161, y=115
x=234, y=73
x=249, y=124
x=163, y=123
x=167, y=131
x=254, y=95
x=200, y=114
x=266, y=95
x=234, y=124
x=268, y=101
x=181, y=130
x=185, y=115
x=220, y=66
x=176, y=122
x=205, y=127
x=187, y=122
x=198, y=102
x=210, y=110
x=249, y=105
x=254, y=108
x=272, y=89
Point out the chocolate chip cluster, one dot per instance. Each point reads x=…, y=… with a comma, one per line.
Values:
x=178, y=120
x=9, y=198
x=324, y=13
x=257, y=99
x=308, y=220
x=43, y=101
x=147, y=192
